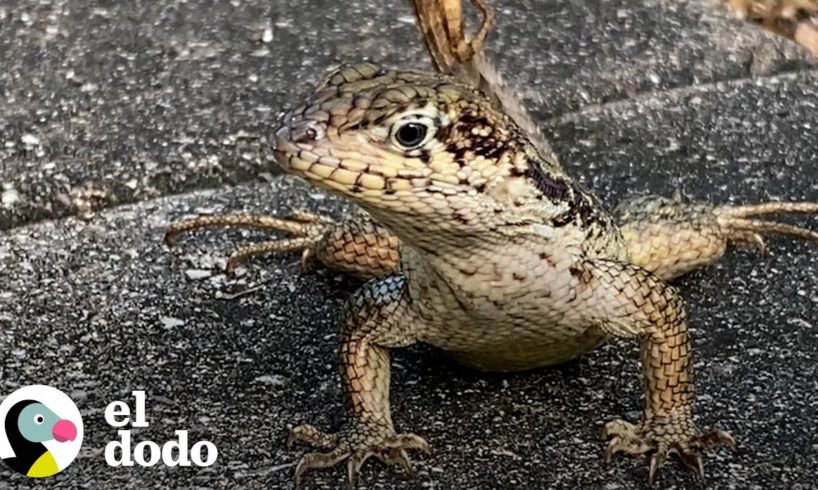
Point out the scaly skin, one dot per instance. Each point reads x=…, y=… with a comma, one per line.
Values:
x=356, y=245
x=480, y=246
x=505, y=262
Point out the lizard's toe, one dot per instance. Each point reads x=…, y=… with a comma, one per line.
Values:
x=715, y=438
x=408, y=441
x=306, y=229
x=752, y=239
x=394, y=451
x=355, y=445
x=622, y=437
x=664, y=436
x=397, y=457
x=308, y=434
x=319, y=460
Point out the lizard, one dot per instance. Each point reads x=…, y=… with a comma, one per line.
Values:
x=476, y=241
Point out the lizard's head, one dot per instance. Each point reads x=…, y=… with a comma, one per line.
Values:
x=414, y=148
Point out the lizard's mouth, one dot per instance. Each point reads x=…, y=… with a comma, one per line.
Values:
x=361, y=168
x=299, y=150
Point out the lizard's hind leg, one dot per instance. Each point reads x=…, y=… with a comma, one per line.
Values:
x=356, y=245
x=671, y=238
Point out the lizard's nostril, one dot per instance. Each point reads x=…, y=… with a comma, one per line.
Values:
x=304, y=132
x=310, y=134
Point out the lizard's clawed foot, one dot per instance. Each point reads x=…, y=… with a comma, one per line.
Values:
x=355, y=444
x=664, y=436
x=739, y=225
x=306, y=230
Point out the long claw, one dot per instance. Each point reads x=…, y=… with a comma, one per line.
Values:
x=656, y=462
x=753, y=239
x=409, y=441
x=304, y=264
x=719, y=438
x=272, y=246
x=738, y=219
x=613, y=447
x=296, y=227
x=744, y=226
x=662, y=438
x=356, y=461
x=739, y=223
x=402, y=459
x=319, y=460
x=693, y=462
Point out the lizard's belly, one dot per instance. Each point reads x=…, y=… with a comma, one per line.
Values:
x=513, y=342
x=523, y=354
x=505, y=313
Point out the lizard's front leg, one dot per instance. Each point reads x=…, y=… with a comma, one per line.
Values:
x=671, y=238
x=378, y=317
x=629, y=301
x=356, y=245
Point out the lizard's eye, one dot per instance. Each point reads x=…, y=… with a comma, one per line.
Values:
x=409, y=135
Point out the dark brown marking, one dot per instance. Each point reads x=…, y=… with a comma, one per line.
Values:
x=582, y=274
x=458, y=155
x=552, y=187
x=581, y=206
x=491, y=149
x=548, y=259
x=458, y=217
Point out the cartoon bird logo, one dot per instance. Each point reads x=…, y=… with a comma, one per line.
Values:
x=28, y=425
x=41, y=442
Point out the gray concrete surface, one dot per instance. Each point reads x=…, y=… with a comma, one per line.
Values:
x=638, y=96
x=109, y=103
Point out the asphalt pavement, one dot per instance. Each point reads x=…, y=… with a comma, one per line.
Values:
x=120, y=117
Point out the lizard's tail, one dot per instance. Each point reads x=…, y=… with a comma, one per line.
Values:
x=441, y=22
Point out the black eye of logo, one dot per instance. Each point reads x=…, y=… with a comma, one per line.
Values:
x=411, y=134
x=39, y=419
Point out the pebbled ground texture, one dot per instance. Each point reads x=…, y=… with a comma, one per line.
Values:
x=119, y=117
